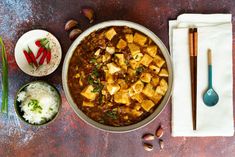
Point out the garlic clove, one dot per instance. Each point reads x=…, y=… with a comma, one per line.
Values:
x=88, y=13
x=74, y=33
x=70, y=24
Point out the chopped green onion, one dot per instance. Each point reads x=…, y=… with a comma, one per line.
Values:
x=35, y=105
x=126, y=62
x=93, y=60
x=98, y=88
x=101, y=121
x=4, y=108
x=95, y=72
x=90, y=80
x=100, y=98
x=98, y=66
x=112, y=114
x=139, y=70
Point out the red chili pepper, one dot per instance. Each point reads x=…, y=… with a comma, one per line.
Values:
x=38, y=43
x=32, y=57
x=43, y=57
x=48, y=56
x=40, y=50
x=28, y=58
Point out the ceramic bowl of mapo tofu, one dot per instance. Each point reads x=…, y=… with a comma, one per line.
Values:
x=117, y=76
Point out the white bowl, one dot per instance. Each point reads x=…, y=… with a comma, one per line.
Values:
x=160, y=107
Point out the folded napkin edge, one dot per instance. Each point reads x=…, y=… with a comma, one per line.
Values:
x=205, y=18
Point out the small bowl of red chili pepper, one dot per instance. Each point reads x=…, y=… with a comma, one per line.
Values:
x=38, y=53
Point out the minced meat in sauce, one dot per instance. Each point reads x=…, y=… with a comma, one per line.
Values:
x=117, y=76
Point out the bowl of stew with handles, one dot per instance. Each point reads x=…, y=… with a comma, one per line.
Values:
x=117, y=76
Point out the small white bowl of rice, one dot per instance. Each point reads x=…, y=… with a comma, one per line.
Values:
x=37, y=103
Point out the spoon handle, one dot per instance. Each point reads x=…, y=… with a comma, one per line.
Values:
x=209, y=68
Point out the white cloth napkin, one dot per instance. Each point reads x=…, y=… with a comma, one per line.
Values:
x=214, y=32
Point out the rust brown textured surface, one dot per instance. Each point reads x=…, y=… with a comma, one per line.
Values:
x=69, y=136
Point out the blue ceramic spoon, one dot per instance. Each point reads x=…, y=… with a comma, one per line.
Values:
x=210, y=97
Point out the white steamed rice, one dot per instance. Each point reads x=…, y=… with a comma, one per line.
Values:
x=48, y=100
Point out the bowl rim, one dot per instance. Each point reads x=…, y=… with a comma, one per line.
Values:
x=24, y=120
x=157, y=111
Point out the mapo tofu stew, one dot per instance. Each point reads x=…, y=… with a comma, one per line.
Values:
x=117, y=76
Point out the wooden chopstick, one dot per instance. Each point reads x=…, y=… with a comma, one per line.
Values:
x=193, y=44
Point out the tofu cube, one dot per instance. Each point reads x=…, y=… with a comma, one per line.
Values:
x=122, y=83
x=134, y=49
x=163, y=73
x=113, y=68
x=136, y=113
x=121, y=44
x=77, y=75
x=159, y=90
x=162, y=88
x=109, y=104
x=138, y=86
x=121, y=59
x=137, y=106
x=112, y=88
x=154, y=68
x=138, y=97
x=87, y=92
x=140, y=39
x=104, y=92
x=109, y=77
x=146, y=60
x=88, y=104
x=156, y=98
x=138, y=56
x=106, y=57
x=155, y=81
x=131, y=92
x=97, y=52
x=110, y=50
x=134, y=64
x=131, y=72
x=124, y=109
x=158, y=61
x=152, y=50
x=110, y=33
x=164, y=85
x=124, y=67
x=129, y=38
x=122, y=97
x=148, y=90
x=146, y=77
x=147, y=105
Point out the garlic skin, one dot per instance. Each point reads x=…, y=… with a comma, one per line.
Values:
x=161, y=144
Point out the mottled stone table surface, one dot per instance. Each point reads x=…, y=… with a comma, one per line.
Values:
x=68, y=135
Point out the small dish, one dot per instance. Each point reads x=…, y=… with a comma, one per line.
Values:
x=21, y=113
x=28, y=40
